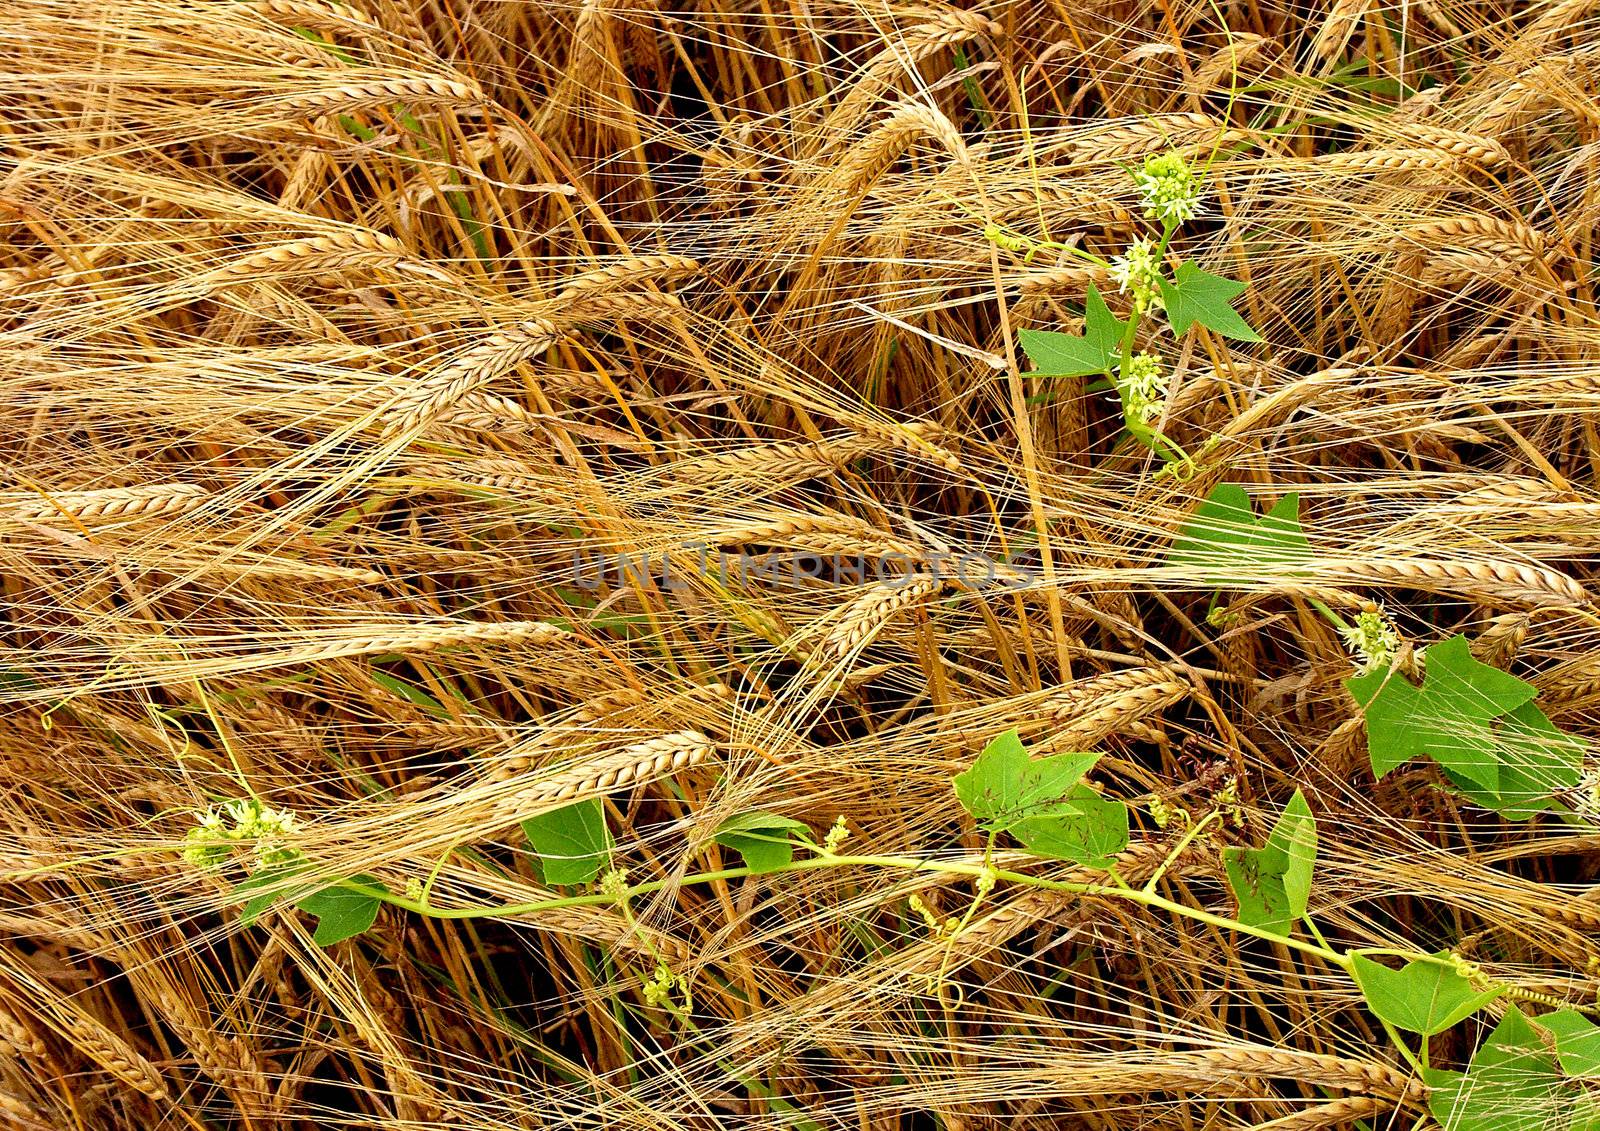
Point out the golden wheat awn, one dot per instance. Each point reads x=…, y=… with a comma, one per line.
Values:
x=424, y=418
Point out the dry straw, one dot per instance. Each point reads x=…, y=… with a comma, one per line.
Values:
x=334, y=330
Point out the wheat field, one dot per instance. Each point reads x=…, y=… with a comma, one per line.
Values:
x=418, y=416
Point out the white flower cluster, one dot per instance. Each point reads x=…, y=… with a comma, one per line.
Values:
x=1143, y=384
x=1170, y=189
x=1372, y=640
x=1139, y=271
x=247, y=820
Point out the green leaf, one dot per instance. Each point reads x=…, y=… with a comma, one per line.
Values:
x=1577, y=1041
x=1511, y=1085
x=761, y=838
x=1093, y=833
x=342, y=913
x=1537, y=761
x=1273, y=884
x=1005, y=786
x=1194, y=296
x=572, y=842
x=1224, y=537
x=269, y=887
x=1420, y=997
x=1449, y=718
x=1096, y=350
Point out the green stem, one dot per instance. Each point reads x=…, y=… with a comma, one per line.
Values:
x=979, y=892
x=1183, y=842
x=1333, y=618
x=1113, y=887
x=894, y=863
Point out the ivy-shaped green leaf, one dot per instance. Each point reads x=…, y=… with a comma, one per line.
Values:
x=1273, y=884
x=1093, y=833
x=1193, y=295
x=1450, y=717
x=1005, y=786
x=1512, y=1084
x=1577, y=1041
x=761, y=838
x=1225, y=537
x=1537, y=761
x=342, y=913
x=572, y=843
x=1420, y=997
x=1096, y=350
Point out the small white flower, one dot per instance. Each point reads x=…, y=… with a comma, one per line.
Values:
x=206, y=845
x=1585, y=796
x=267, y=828
x=1143, y=385
x=1170, y=189
x=1139, y=271
x=1372, y=640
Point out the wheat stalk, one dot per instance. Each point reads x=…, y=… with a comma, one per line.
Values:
x=320, y=15
x=1083, y=723
x=1336, y=29
x=1335, y=1113
x=485, y=412
x=949, y=29
x=1511, y=582
x=867, y=614
x=352, y=98
x=1481, y=151
x=108, y=504
x=1512, y=239
x=635, y=764
x=114, y=1055
x=865, y=163
x=17, y=1040
x=351, y=250
x=468, y=372
x=606, y=306
x=1375, y=162
x=629, y=272
x=1147, y=134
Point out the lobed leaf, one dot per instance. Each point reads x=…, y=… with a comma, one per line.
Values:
x=1577, y=1041
x=1224, y=537
x=1273, y=884
x=1449, y=718
x=342, y=913
x=1005, y=786
x=1536, y=760
x=1092, y=833
x=1096, y=350
x=269, y=887
x=1512, y=1084
x=1420, y=997
x=1193, y=295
